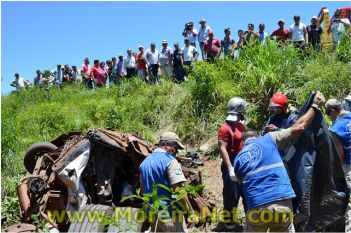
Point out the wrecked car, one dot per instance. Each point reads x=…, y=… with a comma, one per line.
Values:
x=88, y=172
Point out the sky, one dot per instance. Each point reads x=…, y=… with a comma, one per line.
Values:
x=40, y=35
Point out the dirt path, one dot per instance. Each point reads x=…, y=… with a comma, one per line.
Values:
x=212, y=179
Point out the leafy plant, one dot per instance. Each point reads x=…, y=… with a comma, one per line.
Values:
x=157, y=204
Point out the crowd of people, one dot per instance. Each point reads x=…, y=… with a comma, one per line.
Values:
x=176, y=63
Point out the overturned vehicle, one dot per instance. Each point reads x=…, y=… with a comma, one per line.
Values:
x=88, y=172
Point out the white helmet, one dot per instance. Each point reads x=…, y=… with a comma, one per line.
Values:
x=237, y=105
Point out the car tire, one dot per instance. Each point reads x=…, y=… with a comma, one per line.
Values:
x=34, y=152
x=91, y=226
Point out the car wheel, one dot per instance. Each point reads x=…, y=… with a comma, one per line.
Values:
x=33, y=153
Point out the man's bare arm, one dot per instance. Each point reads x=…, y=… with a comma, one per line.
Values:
x=224, y=153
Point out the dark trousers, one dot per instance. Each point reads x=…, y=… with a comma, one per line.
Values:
x=179, y=73
x=130, y=72
x=232, y=190
x=153, y=71
x=88, y=83
x=299, y=44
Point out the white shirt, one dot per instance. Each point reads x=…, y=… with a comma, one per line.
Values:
x=191, y=36
x=129, y=62
x=202, y=36
x=152, y=57
x=297, y=32
x=189, y=52
x=20, y=84
x=165, y=55
x=337, y=29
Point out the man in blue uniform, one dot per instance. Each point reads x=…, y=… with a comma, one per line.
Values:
x=341, y=132
x=161, y=167
x=265, y=182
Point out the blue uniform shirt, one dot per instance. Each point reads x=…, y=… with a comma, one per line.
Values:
x=263, y=174
x=342, y=128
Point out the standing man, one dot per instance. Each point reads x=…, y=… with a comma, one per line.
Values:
x=242, y=40
x=76, y=75
x=152, y=56
x=203, y=36
x=19, y=83
x=142, y=64
x=121, y=72
x=129, y=64
x=190, y=55
x=338, y=27
x=314, y=34
x=298, y=33
x=166, y=57
x=58, y=74
x=230, y=144
x=95, y=72
x=113, y=73
x=265, y=181
x=85, y=71
x=38, y=77
x=161, y=167
x=212, y=47
x=250, y=34
x=191, y=33
x=178, y=64
x=341, y=132
x=262, y=35
x=281, y=34
x=228, y=44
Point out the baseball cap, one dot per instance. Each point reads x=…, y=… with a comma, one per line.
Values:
x=172, y=137
x=164, y=42
x=210, y=32
x=330, y=104
x=281, y=20
x=120, y=55
x=140, y=46
x=314, y=17
x=186, y=38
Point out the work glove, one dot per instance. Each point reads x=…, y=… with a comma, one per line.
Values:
x=318, y=101
x=232, y=174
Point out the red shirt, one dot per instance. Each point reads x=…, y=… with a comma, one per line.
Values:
x=95, y=71
x=141, y=64
x=212, y=47
x=282, y=35
x=235, y=144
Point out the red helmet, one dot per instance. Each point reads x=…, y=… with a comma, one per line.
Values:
x=279, y=100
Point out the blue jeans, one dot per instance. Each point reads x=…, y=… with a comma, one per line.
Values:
x=232, y=190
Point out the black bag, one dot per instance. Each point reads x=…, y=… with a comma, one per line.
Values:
x=316, y=175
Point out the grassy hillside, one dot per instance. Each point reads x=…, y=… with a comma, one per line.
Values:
x=194, y=109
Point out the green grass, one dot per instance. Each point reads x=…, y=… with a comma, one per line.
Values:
x=194, y=109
